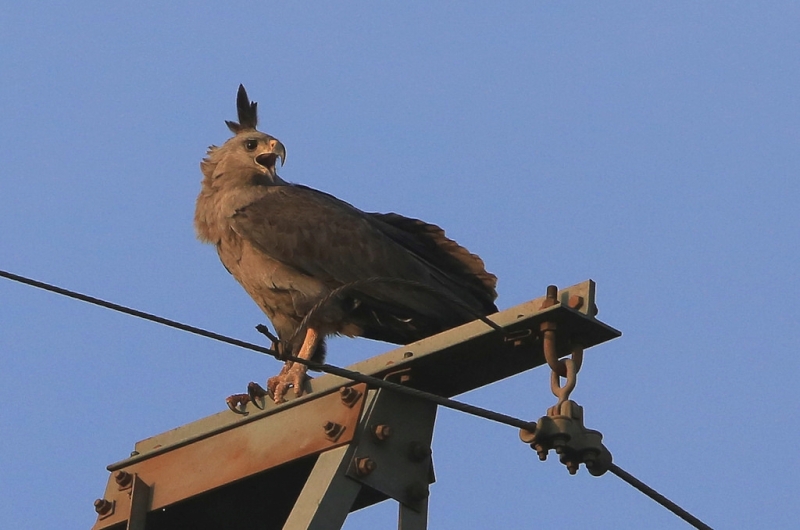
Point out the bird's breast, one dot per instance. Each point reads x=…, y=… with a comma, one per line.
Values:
x=276, y=287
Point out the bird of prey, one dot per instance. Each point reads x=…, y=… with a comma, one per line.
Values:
x=291, y=246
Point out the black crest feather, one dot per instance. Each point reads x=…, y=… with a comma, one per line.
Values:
x=248, y=115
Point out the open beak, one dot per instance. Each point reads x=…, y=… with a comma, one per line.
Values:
x=268, y=159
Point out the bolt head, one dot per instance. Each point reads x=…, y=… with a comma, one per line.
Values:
x=122, y=478
x=333, y=430
x=102, y=506
x=382, y=432
x=365, y=465
x=349, y=395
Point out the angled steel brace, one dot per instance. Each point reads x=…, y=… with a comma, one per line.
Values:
x=328, y=494
x=390, y=454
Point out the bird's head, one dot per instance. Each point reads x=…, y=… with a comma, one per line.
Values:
x=249, y=157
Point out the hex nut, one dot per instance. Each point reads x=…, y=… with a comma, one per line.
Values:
x=381, y=432
x=123, y=479
x=102, y=506
x=349, y=395
x=333, y=430
x=364, y=466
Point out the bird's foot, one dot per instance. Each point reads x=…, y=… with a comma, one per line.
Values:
x=255, y=395
x=293, y=375
x=237, y=403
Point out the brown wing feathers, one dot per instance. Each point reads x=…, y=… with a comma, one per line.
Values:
x=431, y=244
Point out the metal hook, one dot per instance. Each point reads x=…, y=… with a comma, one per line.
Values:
x=562, y=393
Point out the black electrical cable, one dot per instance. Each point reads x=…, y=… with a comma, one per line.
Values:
x=358, y=377
x=134, y=312
x=320, y=367
x=656, y=496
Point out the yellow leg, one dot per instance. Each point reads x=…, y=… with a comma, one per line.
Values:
x=294, y=374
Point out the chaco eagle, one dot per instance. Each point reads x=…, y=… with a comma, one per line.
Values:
x=290, y=246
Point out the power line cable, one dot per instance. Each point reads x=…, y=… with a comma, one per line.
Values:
x=320, y=367
x=358, y=377
x=656, y=496
x=134, y=312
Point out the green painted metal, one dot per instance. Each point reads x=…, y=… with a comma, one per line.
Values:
x=399, y=473
x=328, y=494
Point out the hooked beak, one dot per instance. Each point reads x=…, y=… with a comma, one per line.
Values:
x=276, y=150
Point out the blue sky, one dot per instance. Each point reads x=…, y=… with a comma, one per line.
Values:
x=650, y=147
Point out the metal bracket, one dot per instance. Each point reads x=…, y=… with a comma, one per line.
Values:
x=394, y=448
x=390, y=455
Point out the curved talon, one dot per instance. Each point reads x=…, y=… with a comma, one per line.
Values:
x=256, y=394
x=237, y=403
x=290, y=377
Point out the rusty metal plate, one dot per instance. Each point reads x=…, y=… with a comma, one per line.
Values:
x=231, y=455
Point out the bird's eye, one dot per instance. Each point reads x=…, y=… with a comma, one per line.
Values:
x=250, y=145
